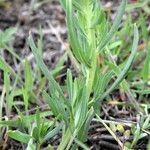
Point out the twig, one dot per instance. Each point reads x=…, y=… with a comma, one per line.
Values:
x=109, y=145
x=112, y=133
x=116, y=122
x=1, y=102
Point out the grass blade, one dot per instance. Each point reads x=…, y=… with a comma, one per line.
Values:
x=53, y=132
x=28, y=76
x=127, y=66
x=19, y=136
x=45, y=69
x=115, y=26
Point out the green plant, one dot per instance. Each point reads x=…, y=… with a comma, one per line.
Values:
x=73, y=106
x=32, y=130
x=28, y=92
x=89, y=33
x=139, y=131
x=5, y=37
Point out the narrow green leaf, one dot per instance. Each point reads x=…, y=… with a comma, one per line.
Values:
x=102, y=83
x=12, y=51
x=9, y=123
x=40, y=41
x=60, y=65
x=28, y=76
x=110, y=131
x=31, y=118
x=146, y=123
x=25, y=98
x=69, y=84
x=82, y=145
x=38, y=118
x=83, y=132
x=134, y=6
x=41, y=63
x=114, y=27
x=115, y=44
x=63, y=4
x=19, y=136
x=56, y=107
x=81, y=112
x=142, y=92
x=52, y=133
x=127, y=66
x=51, y=103
x=143, y=24
x=45, y=70
x=75, y=43
x=7, y=82
x=146, y=68
x=5, y=66
x=6, y=36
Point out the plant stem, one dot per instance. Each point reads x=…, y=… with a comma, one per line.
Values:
x=93, y=53
x=38, y=146
x=70, y=141
x=65, y=140
x=91, y=71
x=90, y=76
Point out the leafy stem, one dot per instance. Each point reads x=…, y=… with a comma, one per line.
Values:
x=92, y=41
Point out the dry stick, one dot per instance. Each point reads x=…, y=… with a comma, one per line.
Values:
x=112, y=133
x=108, y=145
x=1, y=108
x=126, y=123
x=6, y=129
x=128, y=92
x=107, y=137
x=1, y=102
x=146, y=131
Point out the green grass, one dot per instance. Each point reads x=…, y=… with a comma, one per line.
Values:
x=90, y=35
